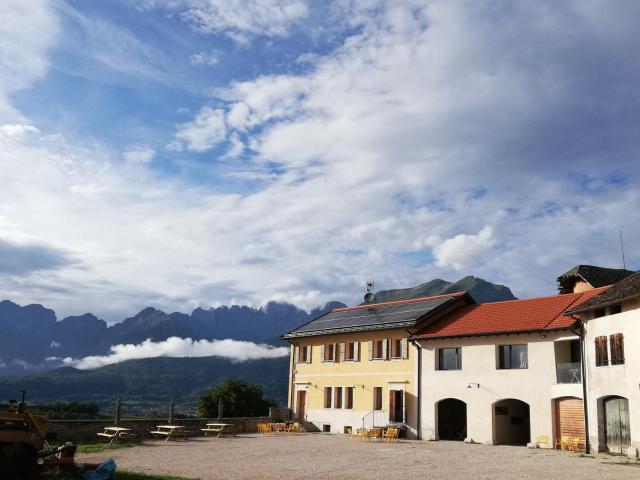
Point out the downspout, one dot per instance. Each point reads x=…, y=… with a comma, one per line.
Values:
x=291, y=376
x=419, y=393
x=585, y=398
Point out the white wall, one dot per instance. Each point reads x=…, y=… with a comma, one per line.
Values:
x=535, y=385
x=618, y=380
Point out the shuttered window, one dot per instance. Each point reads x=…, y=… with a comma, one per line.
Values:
x=616, y=345
x=602, y=357
x=337, y=402
x=327, y=397
x=396, y=347
x=377, y=398
x=348, y=397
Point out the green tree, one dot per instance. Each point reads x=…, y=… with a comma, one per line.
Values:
x=239, y=399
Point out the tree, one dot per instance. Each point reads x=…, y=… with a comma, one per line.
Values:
x=239, y=399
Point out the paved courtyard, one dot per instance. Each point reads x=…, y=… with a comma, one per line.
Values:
x=334, y=456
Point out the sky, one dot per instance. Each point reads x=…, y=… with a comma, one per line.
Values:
x=185, y=153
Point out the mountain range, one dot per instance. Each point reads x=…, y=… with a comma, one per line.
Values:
x=31, y=335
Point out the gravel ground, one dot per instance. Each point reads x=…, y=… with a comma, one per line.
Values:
x=334, y=456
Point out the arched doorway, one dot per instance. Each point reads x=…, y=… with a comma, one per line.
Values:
x=617, y=431
x=511, y=423
x=452, y=419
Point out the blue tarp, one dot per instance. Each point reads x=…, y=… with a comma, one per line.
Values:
x=106, y=471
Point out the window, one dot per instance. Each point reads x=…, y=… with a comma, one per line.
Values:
x=348, y=397
x=337, y=397
x=602, y=357
x=614, y=309
x=377, y=398
x=513, y=356
x=377, y=349
x=450, y=359
x=327, y=397
x=305, y=354
x=329, y=353
x=396, y=347
x=616, y=345
x=599, y=312
x=351, y=351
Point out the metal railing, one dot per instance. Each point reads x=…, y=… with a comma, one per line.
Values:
x=569, y=372
x=372, y=413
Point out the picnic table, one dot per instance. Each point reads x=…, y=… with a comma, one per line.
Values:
x=171, y=432
x=115, y=433
x=217, y=428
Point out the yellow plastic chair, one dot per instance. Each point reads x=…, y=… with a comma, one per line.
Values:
x=362, y=434
x=391, y=435
x=574, y=444
x=562, y=443
x=542, y=440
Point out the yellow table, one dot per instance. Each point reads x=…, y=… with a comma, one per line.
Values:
x=171, y=432
x=216, y=428
x=115, y=433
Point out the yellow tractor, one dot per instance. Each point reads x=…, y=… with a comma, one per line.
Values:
x=22, y=441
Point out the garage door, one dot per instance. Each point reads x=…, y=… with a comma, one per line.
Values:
x=569, y=416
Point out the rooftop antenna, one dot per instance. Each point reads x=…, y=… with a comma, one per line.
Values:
x=624, y=264
x=368, y=297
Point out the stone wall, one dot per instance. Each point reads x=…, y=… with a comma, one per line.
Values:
x=84, y=431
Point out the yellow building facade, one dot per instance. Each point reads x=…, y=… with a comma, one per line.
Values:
x=355, y=367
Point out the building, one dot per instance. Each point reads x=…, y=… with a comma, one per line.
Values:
x=355, y=367
x=503, y=373
x=587, y=277
x=610, y=322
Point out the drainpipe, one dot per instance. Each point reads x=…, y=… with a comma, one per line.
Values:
x=291, y=378
x=585, y=398
x=419, y=393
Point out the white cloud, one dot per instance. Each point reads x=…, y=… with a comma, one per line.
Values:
x=408, y=131
x=204, y=132
x=242, y=20
x=28, y=30
x=18, y=131
x=140, y=154
x=205, y=58
x=181, y=347
x=463, y=251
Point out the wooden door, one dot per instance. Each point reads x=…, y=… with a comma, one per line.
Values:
x=302, y=401
x=617, y=424
x=569, y=417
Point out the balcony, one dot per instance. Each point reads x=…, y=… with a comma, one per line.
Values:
x=569, y=372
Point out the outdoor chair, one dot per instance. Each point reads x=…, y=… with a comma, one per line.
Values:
x=362, y=434
x=574, y=444
x=392, y=435
x=562, y=443
x=542, y=440
x=375, y=433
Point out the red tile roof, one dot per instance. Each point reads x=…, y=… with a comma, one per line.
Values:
x=512, y=316
x=398, y=302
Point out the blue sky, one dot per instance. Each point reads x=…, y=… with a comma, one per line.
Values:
x=187, y=153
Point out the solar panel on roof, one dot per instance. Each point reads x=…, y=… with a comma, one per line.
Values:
x=375, y=316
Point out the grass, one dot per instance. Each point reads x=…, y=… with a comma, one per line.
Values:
x=100, y=447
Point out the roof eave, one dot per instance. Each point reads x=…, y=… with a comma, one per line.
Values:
x=359, y=328
x=602, y=305
x=494, y=334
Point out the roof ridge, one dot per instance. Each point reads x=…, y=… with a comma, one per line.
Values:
x=399, y=302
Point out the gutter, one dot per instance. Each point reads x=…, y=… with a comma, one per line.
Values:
x=419, y=393
x=291, y=374
x=585, y=398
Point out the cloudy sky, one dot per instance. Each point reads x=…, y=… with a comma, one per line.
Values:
x=185, y=153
